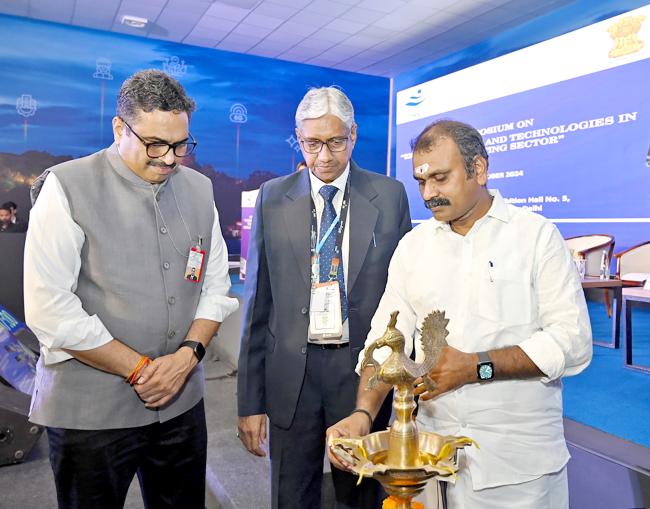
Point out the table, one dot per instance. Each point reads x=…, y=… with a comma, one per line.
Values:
x=631, y=295
x=616, y=285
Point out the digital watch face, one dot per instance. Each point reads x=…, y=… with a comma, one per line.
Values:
x=485, y=372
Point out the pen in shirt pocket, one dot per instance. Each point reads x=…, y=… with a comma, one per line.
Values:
x=490, y=267
x=374, y=241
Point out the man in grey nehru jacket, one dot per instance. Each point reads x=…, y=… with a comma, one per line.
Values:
x=112, y=237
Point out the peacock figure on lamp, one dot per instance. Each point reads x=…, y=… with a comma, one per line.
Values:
x=402, y=458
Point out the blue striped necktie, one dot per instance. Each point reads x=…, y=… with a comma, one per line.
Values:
x=327, y=251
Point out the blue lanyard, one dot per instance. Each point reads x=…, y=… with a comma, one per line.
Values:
x=321, y=243
x=340, y=221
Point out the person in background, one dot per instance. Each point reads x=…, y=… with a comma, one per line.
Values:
x=21, y=226
x=6, y=224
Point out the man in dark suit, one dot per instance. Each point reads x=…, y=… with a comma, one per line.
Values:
x=6, y=226
x=320, y=246
x=19, y=225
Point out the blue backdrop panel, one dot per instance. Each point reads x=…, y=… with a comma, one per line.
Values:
x=593, y=173
x=58, y=96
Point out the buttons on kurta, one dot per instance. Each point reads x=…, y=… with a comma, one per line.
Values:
x=166, y=265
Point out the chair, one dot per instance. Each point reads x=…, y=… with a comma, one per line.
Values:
x=634, y=263
x=591, y=247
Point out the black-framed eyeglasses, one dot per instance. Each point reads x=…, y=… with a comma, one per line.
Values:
x=337, y=144
x=157, y=149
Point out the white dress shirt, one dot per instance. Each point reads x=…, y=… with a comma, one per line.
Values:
x=337, y=201
x=509, y=281
x=52, y=264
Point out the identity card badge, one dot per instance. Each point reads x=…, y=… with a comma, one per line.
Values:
x=325, y=321
x=195, y=259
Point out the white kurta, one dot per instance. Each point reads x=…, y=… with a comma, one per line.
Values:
x=509, y=281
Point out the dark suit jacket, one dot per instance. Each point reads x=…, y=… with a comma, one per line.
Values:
x=11, y=228
x=21, y=226
x=276, y=309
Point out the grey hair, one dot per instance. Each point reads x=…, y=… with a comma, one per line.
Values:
x=151, y=90
x=325, y=101
x=468, y=139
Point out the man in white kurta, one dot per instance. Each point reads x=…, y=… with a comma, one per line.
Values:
x=506, y=281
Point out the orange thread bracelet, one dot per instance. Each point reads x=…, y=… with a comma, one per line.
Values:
x=145, y=362
x=135, y=374
x=137, y=368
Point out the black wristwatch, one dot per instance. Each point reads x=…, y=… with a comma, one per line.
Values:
x=484, y=368
x=197, y=348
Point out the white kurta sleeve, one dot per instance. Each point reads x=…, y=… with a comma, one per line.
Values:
x=52, y=263
x=214, y=303
x=563, y=345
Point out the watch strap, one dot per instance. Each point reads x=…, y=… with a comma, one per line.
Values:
x=483, y=357
x=196, y=346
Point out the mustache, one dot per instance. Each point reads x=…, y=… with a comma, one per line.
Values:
x=160, y=164
x=437, y=202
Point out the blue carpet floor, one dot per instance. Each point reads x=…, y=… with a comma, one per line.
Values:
x=608, y=396
x=237, y=288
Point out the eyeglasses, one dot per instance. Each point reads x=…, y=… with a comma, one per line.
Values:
x=157, y=149
x=338, y=144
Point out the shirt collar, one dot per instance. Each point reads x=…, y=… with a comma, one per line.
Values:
x=339, y=183
x=498, y=210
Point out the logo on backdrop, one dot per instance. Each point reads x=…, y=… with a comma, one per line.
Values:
x=103, y=69
x=625, y=34
x=293, y=143
x=174, y=66
x=238, y=114
x=26, y=105
x=416, y=98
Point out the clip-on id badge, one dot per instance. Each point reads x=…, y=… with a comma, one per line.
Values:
x=195, y=259
x=315, y=269
x=325, y=311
